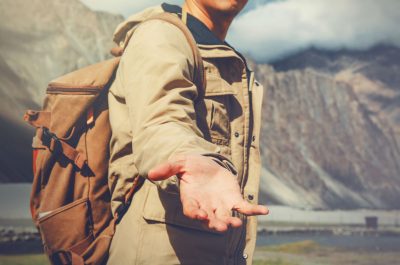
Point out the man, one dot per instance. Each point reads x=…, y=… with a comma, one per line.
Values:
x=198, y=148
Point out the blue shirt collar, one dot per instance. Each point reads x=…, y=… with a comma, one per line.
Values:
x=200, y=32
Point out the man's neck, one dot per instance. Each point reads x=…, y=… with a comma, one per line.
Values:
x=218, y=24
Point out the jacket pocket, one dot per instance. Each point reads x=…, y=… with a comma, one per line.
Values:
x=166, y=207
x=218, y=98
x=67, y=228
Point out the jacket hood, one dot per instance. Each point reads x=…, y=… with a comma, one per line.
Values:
x=126, y=28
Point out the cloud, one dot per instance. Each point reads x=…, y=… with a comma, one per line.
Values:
x=125, y=7
x=128, y=7
x=273, y=30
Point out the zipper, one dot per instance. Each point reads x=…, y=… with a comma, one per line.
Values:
x=250, y=127
x=251, y=83
x=73, y=90
x=237, y=253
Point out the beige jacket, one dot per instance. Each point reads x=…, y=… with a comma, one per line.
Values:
x=156, y=111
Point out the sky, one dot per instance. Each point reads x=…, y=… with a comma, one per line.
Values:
x=269, y=30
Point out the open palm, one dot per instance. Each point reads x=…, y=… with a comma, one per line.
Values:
x=208, y=191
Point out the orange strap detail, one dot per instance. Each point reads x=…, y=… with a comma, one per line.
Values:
x=34, y=158
x=90, y=116
x=137, y=182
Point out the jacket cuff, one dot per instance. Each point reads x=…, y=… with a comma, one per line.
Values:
x=171, y=185
x=224, y=162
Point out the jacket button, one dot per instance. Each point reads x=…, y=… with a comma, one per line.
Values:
x=245, y=256
x=250, y=197
x=236, y=134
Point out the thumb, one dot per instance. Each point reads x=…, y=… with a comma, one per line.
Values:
x=166, y=170
x=249, y=209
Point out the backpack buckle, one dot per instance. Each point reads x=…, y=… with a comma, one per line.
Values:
x=51, y=140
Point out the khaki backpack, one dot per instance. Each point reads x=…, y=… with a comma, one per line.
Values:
x=70, y=199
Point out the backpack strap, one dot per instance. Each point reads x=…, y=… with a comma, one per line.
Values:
x=57, y=145
x=199, y=76
x=66, y=257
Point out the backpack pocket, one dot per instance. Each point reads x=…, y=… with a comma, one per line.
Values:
x=67, y=228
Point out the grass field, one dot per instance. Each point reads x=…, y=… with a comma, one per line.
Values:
x=300, y=253
x=311, y=253
x=36, y=259
x=42, y=260
x=272, y=262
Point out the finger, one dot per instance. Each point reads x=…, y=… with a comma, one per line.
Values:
x=226, y=217
x=234, y=221
x=214, y=223
x=166, y=170
x=191, y=209
x=217, y=225
x=247, y=208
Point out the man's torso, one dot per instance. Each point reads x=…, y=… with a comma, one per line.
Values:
x=228, y=114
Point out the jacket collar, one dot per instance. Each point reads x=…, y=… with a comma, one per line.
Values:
x=202, y=35
x=200, y=32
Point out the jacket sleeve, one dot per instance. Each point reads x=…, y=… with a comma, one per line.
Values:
x=156, y=72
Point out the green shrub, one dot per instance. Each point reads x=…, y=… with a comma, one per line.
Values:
x=38, y=259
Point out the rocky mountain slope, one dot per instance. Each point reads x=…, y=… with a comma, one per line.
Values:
x=331, y=122
x=331, y=129
x=39, y=40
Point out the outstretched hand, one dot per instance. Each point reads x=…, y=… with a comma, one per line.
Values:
x=208, y=191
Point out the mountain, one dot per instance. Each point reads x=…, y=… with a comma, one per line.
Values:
x=331, y=129
x=39, y=40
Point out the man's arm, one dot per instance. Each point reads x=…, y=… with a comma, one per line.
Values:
x=156, y=73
